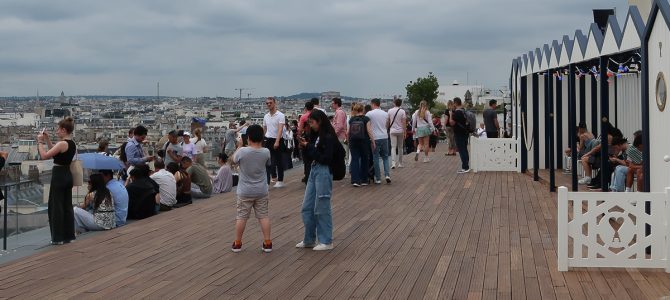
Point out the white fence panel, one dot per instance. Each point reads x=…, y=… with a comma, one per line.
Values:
x=494, y=155
x=609, y=230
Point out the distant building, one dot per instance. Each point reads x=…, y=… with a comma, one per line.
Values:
x=449, y=92
x=326, y=97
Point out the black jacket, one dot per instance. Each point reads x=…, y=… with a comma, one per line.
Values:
x=141, y=198
x=324, y=152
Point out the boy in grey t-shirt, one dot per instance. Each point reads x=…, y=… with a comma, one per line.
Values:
x=252, y=188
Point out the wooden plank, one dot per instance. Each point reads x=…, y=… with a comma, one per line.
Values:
x=478, y=236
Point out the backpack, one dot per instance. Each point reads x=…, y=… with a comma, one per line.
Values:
x=357, y=129
x=338, y=166
x=122, y=152
x=470, y=121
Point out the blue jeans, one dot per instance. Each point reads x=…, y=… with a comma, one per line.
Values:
x=462, y=145
x=619, y=182
x=316, y=211
x=359, y=160
x=381, y=149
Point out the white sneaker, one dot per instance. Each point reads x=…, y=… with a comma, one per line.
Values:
x=400, y=166
x=585, y=180
x=378, y=182
x=323, y=247
x=393, y=166
x=426, y=159
x=279, y=184
x=302, y=245
x=466, y=171
x=388, y=179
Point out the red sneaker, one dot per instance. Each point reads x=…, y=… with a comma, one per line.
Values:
x=237, y=247
x=267, y=248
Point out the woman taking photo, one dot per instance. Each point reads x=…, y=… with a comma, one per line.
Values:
x=61, y=214
x=423, y=128
x=316, y=210
x=99, y=200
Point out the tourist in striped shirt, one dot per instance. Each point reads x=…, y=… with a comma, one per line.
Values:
x=635, y=163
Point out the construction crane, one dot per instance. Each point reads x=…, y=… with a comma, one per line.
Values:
x=241, y=90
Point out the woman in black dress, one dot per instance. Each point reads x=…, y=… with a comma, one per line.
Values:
x=61, y=214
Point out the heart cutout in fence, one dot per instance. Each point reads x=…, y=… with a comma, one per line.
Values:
x=616, y=223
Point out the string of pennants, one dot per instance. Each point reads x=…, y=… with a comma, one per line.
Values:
x=630, y=66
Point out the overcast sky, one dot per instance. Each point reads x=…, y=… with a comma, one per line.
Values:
x=206, y=48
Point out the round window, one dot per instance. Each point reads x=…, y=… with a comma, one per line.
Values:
x=661, y=91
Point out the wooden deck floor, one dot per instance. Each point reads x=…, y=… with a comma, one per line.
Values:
x=430, y=234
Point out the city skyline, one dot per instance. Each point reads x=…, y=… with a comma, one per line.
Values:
x=360, y=48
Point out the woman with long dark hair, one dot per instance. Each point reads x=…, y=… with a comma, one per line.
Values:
x=316, y=209
x=61, y=214
x=99, y=201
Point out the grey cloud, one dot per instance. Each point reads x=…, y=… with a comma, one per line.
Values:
x=278, y=47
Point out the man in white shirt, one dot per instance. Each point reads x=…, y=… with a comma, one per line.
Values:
x=273, y=125
x=379, y=122
x=397, y=119
x=315, y=101
x=167, y=185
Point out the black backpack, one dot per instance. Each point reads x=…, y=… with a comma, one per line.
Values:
x=357, y=129
x=338, y=166
x=122, y=152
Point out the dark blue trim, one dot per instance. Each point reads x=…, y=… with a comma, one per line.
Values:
x=594, y=104
x=605, y=173
x=569, y=46
x=524, y=117
x=616, y=30
x=582, y=101
x=550, y=130
x=582, y=40
x=635, y=16
x=558, y=113
x=598, y=36
x=536, y=125
x=547, y=53
x=572, y=125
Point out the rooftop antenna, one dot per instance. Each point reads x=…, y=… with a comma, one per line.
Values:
x=158, y=90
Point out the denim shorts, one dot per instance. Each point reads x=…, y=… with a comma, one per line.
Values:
x=423, y=131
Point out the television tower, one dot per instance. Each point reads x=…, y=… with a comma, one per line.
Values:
x=158, y=90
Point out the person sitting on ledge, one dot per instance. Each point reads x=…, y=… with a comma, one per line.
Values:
x=183, y=184
x=101, y=215
x=119, y=196
x=223, y=181
x=202, y=183
x=167, y=185
x=143, y=193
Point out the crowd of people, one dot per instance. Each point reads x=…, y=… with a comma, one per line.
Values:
x=624, y=160
x=137, y=192
x=374, y=140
